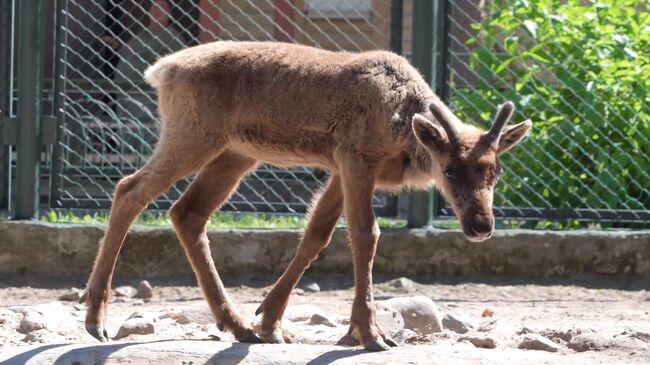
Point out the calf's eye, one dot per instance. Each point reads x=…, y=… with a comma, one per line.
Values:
x=449, y=174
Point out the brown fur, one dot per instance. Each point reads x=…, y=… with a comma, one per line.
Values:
x=365, y=117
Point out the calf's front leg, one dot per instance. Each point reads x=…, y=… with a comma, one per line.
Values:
x=358, y=188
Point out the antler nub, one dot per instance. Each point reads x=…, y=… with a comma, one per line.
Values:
x=442, y=115
x=503, y=115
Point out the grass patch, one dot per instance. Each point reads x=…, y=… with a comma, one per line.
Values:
x=224, y=220
x=231, y=220
x=237, y=220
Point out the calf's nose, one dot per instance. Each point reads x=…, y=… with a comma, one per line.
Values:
x=482, y=225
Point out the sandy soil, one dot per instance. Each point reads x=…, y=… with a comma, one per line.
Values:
x=616, y=310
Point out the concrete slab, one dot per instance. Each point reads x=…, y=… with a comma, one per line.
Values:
x=214, y=352
x=38, y=248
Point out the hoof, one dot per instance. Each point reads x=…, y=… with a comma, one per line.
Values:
x=381, y=343
x=220, y=326
x=259, y=310
x=83, y=297
x=214, y=338
x=98, y=332
x=390, y=342
x=348, y=341
x=274, y=336
x=250, y=337
x=376, y=344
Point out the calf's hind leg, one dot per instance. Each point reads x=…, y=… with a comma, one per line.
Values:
x=132, y=195
x=325, y=214
x=213, y=185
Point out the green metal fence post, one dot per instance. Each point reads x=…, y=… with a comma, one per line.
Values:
x=59, y=77
x=5, y=91
x=442, y=48
x=440, y=76
x=421, y=206
x=29, y=112
x=396, y=23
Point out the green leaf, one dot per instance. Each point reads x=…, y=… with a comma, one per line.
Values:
x=510, y=44
x=504, y=65
x=536, y=57
x=532, y=27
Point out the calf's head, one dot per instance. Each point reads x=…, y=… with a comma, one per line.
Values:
x=466, y=166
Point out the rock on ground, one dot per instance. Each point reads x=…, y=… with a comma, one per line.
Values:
x=52, y=316
x=479, y=340
x=420, y=313
x=311, y=288
x=136, y=314
x=124, y=291
x=458, y=323
x=144, y=291
x=404, y=335
x=32, y=321
x=561, y=334
x=533, y=341
x=135, y=326
x=500, y=330
x=72, y=296
x=599, y=342
x=43, y=336
x=389, y=319
x=590, y=342
x=178, y=317
x=402, y=283
x=9, y=319
x=317, y=318
x=200, y=314
x=639, y=335
x=302, y=312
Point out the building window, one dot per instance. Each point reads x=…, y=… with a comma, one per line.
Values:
x=338, y=9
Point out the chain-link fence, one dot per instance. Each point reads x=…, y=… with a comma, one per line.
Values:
x=110, y=122
x=578, y=69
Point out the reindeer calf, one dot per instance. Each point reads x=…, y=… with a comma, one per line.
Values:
x=369, y=118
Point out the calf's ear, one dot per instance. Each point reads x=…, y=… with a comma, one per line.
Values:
x=512, y=135
x=429, y=134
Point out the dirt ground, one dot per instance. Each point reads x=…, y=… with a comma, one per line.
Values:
x=613, y=312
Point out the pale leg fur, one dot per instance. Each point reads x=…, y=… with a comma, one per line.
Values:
x=132, y=195
x=358, y=187
x=212, y=187
x=323, y=218
x=175, y=157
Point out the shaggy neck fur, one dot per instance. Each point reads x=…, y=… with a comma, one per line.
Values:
x=408, y=94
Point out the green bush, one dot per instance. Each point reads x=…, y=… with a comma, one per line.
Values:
x=581, y=71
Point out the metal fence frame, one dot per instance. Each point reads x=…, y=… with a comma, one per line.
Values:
x=30, y=128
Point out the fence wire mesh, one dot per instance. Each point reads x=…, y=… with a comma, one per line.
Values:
x=579, y=70
x=110, y=121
